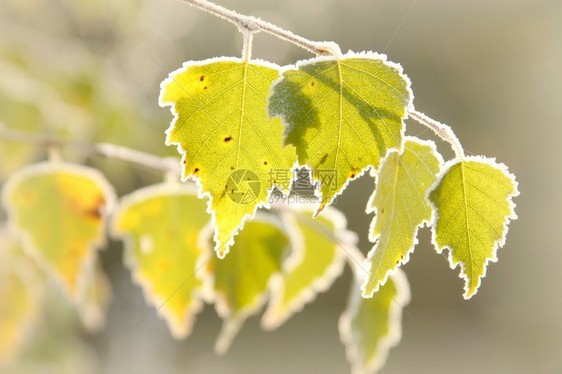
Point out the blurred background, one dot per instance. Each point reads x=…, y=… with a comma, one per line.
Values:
x=89, y=70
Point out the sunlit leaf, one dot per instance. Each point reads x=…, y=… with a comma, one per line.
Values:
x=59, y=210
x=228, y=142
x=240, y=281
x=369, y=327
x=161, y=225
x=19, y=296
x=342, y=115
x=315, y=262
x=401, y=206
x=473, y=201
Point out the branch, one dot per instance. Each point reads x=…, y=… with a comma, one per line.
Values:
x=441, y=130
x=104, y=150
x=253, y=24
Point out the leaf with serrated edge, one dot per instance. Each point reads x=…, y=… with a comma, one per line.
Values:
x=161, y=226
x=20, y=296
x=59, y=210
x=472, y=199
x=402, y=207
x=239, y=283
x=342, y=115
x=370, y=327
x=222, y=129
x=316, y=260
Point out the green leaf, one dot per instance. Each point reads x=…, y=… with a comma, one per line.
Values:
x=370, y=327
x=473, y=201
x=240, y=281
x=315, y=262
x=19, y=294
x=342, y=115
x=161, y=226
x=228, y=142
x=59, y=210
x=401, y=206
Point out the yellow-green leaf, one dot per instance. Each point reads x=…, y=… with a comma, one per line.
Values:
x=315, y=262
x=228, y=142
x=161, y=226
x=240, y=281
x=342, y=115
x=59, y=210
x=369, y=327
x=19, y=296
x=401, y=206
x=473, y=202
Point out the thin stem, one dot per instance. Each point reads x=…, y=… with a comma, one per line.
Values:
x=441, y=130
x=247, y=50
x=104, y=150
x=253, y=24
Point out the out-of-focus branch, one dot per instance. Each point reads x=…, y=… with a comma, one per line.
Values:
x=104, y=150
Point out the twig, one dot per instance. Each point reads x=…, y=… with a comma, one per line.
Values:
x=253, y=24
x=441, y=130
x=104, y=150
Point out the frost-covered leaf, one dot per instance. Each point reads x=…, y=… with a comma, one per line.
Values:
x=240, y=281
x=19, y=296
x=370, y=327
x=342, y=115
x=228, y=142
x=59, y=210
x=473, y=203
x=401, y=206
x=161, y=226
x=315, y=262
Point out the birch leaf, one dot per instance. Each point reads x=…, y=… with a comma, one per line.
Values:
x=228, y=142
x=240, y=281
x=473, y=201
x=315, y=262
x=20, y=298
x=342, y=115
x=369, y=327
x=59, y=210
x=161, y=226
x=401, y=206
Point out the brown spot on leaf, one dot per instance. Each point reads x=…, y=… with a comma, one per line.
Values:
x=228, y=138
x=94, y=211
x=202, y=78
x=195, y=170
x=265, y=162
